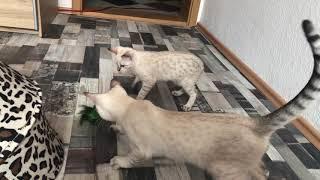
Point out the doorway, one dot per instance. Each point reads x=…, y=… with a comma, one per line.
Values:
x=169, y=12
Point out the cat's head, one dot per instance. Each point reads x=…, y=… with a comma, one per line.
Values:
x=112, y=104
x=124, y=57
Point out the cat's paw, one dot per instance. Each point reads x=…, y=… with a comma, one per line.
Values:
x=120, y=162
x=117, y=128
x=177, y=93
x=186, y=108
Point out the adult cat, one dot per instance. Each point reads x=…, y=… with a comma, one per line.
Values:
x=229, y=146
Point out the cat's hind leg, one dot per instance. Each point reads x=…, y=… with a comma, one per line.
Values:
x=178, y=92
x=145, y=89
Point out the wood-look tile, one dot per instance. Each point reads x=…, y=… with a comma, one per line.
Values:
x=304, y=156
x=80, y=176
x=205, y=84
x=279, y=170
x=142, y=27
x=135, y=38
x=156, y=34
x=114, y=31
x=106, y=69
x=172, y=172
x=90, y=68
x=139, y=174
x=212, y=64
x=169, y=31
x=5, y=37
x=286, y=136
x=312, y=150
x=315, y=173
x=293, y=161
x=261, y=109
x=132, y=27
x=168, y=44
x=216, y=101
x=105, y=171
x=86, y=37
x=123, y=29
x=148, y=39
x=177, y=43
x=54, y=31
x=55, y=53
x=274, y=154
x=80, y=161
x=61, y=19
x=72, y=28
x=61, y=124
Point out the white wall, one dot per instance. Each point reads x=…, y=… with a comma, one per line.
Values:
x=65, y=3
x=267, y=36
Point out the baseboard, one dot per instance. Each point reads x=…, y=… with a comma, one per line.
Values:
x=300, y=123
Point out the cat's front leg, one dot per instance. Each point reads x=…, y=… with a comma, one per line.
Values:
x=128, y=161
x=145, y=89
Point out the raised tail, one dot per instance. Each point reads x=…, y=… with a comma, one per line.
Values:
x=307, y=96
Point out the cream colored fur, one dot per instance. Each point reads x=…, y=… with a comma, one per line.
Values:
x=226, y=145
x=184, y=69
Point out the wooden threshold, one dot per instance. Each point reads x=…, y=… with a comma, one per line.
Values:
x=300, y=123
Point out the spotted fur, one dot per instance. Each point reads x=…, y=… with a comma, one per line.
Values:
x=184, y=69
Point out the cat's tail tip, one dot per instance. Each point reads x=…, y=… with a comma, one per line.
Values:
x=307, y=26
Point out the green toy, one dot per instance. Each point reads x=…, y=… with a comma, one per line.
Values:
x=90, y=115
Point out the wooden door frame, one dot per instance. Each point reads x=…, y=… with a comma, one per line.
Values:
x=77, y=5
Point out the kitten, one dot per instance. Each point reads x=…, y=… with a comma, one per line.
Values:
x=184, y=69
x=229, y=146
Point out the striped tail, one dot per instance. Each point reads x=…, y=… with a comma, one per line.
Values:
x=309, y=94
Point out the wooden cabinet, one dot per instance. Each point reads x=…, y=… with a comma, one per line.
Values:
x=18, y=14
x=33, y=15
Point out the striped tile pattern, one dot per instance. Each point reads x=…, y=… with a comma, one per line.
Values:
x=74, y=56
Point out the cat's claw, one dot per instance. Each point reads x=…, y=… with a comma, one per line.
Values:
x=120, y=162
x=186, y=108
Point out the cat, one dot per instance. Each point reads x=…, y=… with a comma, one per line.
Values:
x=184, y=69
x=229, y=146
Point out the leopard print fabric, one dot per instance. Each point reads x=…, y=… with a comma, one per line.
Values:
x=29, y=147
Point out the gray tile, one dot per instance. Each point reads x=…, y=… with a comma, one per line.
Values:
x=123, y=29
x=132, y=27
x=61, y=19
x=142, y=27
x=86, y=37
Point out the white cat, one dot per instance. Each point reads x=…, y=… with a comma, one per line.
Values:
x=184, y=69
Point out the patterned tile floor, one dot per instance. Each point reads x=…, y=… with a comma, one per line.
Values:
x=73, y=55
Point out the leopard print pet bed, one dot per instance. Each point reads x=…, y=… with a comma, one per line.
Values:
x=29, y=147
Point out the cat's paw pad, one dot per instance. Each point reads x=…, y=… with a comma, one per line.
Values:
x=120, y=162
x=177, y=93
x=186, y=108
